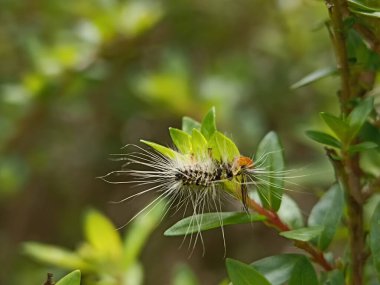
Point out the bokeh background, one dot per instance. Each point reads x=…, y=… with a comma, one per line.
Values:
x=80, y=79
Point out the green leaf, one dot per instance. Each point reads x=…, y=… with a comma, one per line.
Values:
x=327, y=213
x=337, y=125
x=374, y=239
x=324, y=138
x=359, y=115
x=208, y=127
x=269, y=156
x=203, y=222
x=102, y=235
x=243, y=274
x=200, y=146
x=358, y=5
x=369, y=209
x=168, y=152
x=303, y=234
x=181, y=140
x=362, y=147
x=290, y=213
x=72, y=278
x=277, y=269
x=303, y=273
x=140, y=230
x=184, y=276
x=223, y=148
x=54, y=255
x=188, y=124
x=335, y=277
x=364, y=13
x=315, y=76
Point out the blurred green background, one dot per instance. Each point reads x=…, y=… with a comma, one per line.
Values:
x=80, y=79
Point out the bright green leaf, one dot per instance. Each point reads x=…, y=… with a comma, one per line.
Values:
x=199, y=144
x=243, y=274
x=208, y=127
x=337, y=125
x=374, y=239
x=102, y=234
x=290, y=213
x=359, y=115
x=222, y=147
x=303, y=273
x=277, y=269
x=188, y=124
x=269, y=156
x=327, y=213
x=303, y=234
x=315, y=76
x=181, y=140
x=362, y=147
x=324, y=138
x=168, y=152
x=72, y=278
x=54, y=255
x=203, y=222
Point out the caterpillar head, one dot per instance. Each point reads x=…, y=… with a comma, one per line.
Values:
x=240, y=163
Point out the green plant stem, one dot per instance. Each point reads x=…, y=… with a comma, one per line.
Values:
x=274, y=220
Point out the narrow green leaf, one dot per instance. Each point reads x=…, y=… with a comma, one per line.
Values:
x=54, y=255
x=359, y=115
x=199, y=145
x=269, y=156
x=102, y=234
x=337, y=125
x=358, y=5
x=188, y=124
x=290, y=213
x=181, y=140
x=324, y=138
x=327, y=213
x=374, y=239
x=362, y=147
x=184, y=276
x=168, y=152
x=243, y=274
x=208, y=127
x=303, y=273
x=303, y=234
x=203, y=222
x=72, y=278
x=365, y=13
x=315, y=76
x=277, y=269
x=222, y=147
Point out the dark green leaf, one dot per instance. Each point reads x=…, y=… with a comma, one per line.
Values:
x=364, y=13
x=374, y=239
x=278, y=268
x=290, y=213
x=181, y=140
x=362, y=147
x=270, y=157
x=161, y=149
x=327, y=213
x=335, y=277
x=72, y=278
x=359, y=5
x=303, y=273
x=188, y=124
x=337, y=125
x=203, y=222
x=208, y=127
x=359, y=116
x=243, y=274
x=303, y=234
x=315, y=76
x=324, y=138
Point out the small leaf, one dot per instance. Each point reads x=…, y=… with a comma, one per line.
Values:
x=72, y=278
x=374, y=239
x=269, y=156
x=277, y=269
x=243, y=274
x=208, y=127
x=303, y=273
x=223, y=148
x=327, y=213
x=181, y=140
x=303, y=234
x=315, y=76
x=199, y=143
x=290, y=213
x=362, y=147
x=168, y=152
x=359, y=115
x=337, y=125
x=369, y=14
x=188, y=124
x=102, y=235
x=324, y=138
x=358, y=5
x=203, y=222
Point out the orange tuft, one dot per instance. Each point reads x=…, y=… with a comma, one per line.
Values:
x=245, y=162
